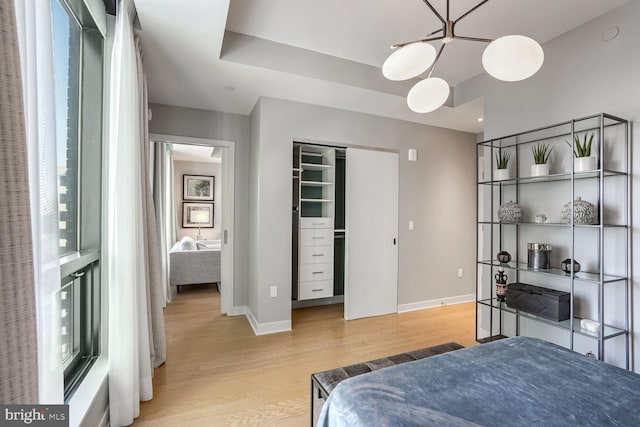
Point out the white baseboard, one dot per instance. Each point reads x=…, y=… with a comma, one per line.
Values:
x=420, y=305
x=268, y=327
x=240, y=310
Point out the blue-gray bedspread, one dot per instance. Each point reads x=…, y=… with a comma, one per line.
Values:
x=517, y=381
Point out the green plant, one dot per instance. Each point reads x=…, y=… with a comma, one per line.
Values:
x=541, y=153
x=502, y=159
x=582, y=149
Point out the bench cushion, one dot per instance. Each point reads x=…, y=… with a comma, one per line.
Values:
x=328, y=380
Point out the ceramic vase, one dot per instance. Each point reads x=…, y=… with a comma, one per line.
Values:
x=584, y=164
x=540, y=170
x=501, y=174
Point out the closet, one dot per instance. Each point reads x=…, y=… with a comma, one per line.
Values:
x=318, y=222
x=345, y=229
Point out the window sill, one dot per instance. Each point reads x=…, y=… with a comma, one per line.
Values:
x=84, y=396
x=77, y=261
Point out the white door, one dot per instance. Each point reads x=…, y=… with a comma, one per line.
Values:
x=371, y=265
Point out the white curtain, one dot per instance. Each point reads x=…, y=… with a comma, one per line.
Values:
x=36, y=57
x=164, y=200
x=130, y=365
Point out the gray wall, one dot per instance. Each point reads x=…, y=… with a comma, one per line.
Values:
x=182, y=167
x=437, y=192
x=582, y=75
x=196, y=123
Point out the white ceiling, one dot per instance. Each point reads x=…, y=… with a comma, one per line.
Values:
x=189, y=58
x=196, y=153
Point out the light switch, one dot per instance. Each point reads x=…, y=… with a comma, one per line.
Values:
x=459, y=273
x=410, y=225
x=274, y=291
x=413, y=154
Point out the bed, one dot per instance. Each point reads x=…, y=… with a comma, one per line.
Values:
x=517, y=381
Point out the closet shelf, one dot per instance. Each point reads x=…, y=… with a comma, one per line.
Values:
x=314, y=167
x=315, y=183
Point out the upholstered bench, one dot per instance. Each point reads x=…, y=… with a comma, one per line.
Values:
x=323, y=383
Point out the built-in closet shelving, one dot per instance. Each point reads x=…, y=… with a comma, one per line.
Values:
x=314, y=222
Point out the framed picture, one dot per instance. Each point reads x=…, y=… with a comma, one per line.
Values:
x=197, y=215
x=197, y=187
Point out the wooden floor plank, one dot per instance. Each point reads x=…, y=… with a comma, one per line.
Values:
x=219, y=373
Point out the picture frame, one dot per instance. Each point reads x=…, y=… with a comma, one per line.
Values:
x=198, y=187
x=197, y=215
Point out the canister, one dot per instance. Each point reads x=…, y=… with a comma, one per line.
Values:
x=539, y=256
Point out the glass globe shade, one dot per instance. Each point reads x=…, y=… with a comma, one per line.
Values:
x=428, y=95
x=409, y=61
x=513, y=58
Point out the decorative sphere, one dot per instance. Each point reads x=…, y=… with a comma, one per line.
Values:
x=503, y=257
x=566, y=266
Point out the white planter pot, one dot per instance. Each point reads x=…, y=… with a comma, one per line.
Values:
x=540, y=170
x=501, y=174
x=584, y=164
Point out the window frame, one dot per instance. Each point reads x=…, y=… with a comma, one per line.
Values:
x=84, y=263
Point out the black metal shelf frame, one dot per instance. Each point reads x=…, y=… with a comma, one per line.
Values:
x=599, y=124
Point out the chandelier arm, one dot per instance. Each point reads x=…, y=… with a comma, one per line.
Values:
x=435, y=12
x=473, y=39
x=470, y=10
x=433, y=66
x=432, y=39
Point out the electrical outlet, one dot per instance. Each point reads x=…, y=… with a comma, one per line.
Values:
x=460, y=273
x=274, y=291
x=411, y=225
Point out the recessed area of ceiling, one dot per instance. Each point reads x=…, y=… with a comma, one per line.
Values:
x=189, y=54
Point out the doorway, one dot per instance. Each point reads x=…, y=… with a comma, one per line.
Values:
x=224, y=152
x=345, y=229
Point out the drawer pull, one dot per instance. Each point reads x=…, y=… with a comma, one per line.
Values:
x=317, y=272
x=317, y=255
x=318, y=223
x=317, y=238
x=317, y=290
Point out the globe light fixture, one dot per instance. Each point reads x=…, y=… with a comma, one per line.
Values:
x=428, y=95
x=513, y=58
x=409, y=61
x=510, y=58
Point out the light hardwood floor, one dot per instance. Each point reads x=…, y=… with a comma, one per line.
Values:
x=219, y=373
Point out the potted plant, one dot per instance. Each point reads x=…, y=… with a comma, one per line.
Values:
x=502, y=162
x=541, y=153
x=582, y=151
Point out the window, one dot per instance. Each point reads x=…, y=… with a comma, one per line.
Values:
x=78, y=78
x=66, y=45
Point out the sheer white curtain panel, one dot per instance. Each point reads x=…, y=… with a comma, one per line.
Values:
x=36, y=58
x=130, y=366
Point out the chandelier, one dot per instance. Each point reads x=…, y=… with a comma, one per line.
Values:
x=510, y=58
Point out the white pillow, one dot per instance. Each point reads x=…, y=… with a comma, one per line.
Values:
x=201, y=245
x=188, y=244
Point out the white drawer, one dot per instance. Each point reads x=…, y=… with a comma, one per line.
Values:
x=316, y=222
x=320, y=289
x=316, y=237
x=316, y=254
x=309, y=272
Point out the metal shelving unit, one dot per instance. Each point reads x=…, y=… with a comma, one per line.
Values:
x=605, y=246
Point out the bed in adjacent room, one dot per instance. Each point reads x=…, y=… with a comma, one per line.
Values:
x=517, y=381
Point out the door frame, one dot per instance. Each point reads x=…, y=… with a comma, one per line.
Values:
x=227, y=284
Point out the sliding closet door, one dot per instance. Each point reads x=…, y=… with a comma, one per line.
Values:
x=371, y=285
